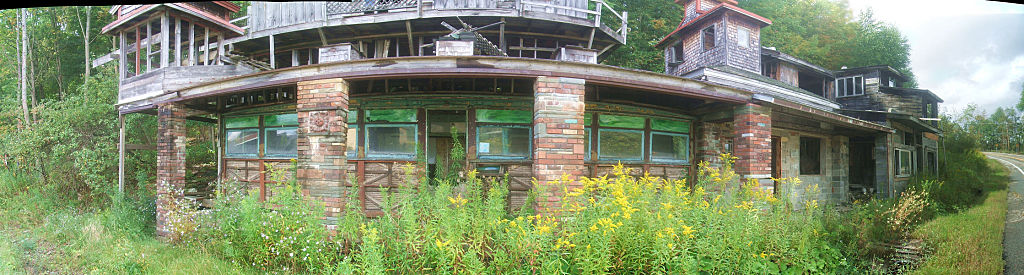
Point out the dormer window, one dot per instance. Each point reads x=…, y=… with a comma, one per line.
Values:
x=849, y=86
x=708, y=37
x=676, y=54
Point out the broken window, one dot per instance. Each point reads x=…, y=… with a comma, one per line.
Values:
x=708, y=37
x=849, y=86
x=810, y=156
x=669, y=141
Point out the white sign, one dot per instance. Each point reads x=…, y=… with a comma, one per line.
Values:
x=485, y=147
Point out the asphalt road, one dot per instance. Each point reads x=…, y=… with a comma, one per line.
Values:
x=1013, y=238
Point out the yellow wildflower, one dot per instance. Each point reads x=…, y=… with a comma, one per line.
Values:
x=458, y=201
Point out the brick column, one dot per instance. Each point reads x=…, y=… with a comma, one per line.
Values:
x=557, y=135
x=170, y=161
x=323, y=124
x=753, y=143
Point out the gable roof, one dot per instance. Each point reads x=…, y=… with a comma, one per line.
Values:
x=720, y=8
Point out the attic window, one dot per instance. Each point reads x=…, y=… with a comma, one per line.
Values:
x=849, y=86
x=676, y=54
x=743, y=37
x=708, y=37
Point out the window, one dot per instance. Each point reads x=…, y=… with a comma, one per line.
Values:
x=277, y=135
x=676, y=54
x=708, y=37
x=810, y=156
x=669, y=141
x=904, y=163
x=742, y=37
x=620, y=137
x=391, y=133
x=503, y=134
x=892, y=82
x=849, y=86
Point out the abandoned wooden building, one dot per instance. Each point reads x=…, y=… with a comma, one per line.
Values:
x=354, y=90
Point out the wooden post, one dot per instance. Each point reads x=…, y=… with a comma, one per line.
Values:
x=219, y=147
x=165, y=40
x=220, y=47
x=623, y=29
x=191, y=44
x=408, y=33
x=206, y=46
x=149, y=44
x=138, y=49
x=122, y=56
x=177, y=41
x=120, y=155
x=501, y=37
x=273, y=64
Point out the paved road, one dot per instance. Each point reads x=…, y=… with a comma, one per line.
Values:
x=1013, y=238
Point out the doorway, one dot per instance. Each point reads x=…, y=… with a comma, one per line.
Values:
x=441, y=164
x=862, y=166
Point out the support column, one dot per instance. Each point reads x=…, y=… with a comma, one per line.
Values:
x=323, y=124
x=753, y=143
x=170, y=160
x=558, y=135
x=884, y=175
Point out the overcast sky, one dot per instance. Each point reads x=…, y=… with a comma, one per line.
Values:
x=966, y=51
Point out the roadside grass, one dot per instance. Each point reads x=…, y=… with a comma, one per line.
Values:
x=38, y=234
x=969, y=241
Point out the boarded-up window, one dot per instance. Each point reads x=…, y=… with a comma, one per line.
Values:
x=810, y=156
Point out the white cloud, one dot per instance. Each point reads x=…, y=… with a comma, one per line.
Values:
x=967, y=52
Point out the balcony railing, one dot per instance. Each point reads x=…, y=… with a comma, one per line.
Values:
x=268, y=15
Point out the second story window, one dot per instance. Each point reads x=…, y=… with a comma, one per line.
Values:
x=849, y=86
x=708, y=37
x=742, y=37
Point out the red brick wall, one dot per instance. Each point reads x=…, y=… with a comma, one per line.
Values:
x=170, y=160
x=323, y=111
x=753, y=141
x=557, y=135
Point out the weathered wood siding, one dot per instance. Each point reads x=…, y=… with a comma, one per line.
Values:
x=157, y=82
x=270, y=15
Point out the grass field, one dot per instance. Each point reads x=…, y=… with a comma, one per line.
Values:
x=967, y=242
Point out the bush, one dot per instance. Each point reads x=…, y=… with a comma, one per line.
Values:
x=610, y=224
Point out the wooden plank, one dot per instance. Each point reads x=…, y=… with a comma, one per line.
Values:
x=165, y=39
x=177, y=41
x=140, y=146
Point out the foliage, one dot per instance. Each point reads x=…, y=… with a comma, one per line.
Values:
x=648, y=21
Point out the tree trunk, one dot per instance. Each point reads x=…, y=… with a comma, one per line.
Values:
x=24, y=60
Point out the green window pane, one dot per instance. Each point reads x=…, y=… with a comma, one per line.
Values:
x=391, y=141
x=281, y=142
x=670, y=125
x=669, y=147
x=504, y=116
x=281, y=120
x=620, y=144
x=241, y=122
x=353, y=117
x=622, y=121
x=242, y=143
x=352, y=142
x=391, y=115
x=503, y=141
x=588, y=118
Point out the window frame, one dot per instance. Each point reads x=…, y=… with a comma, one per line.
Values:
x=523, y=125
x=261, y=130
x=669, y=161
x=389, y=156
x=899, y=163
x=740, y=38
x=855, y=81
x=819, y=156
x=703, y=38
x=643, y=136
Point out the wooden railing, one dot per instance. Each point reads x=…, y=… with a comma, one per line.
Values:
x=274, y=15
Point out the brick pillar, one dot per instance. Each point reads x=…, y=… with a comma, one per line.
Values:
x=323, y=124
x=557, y=135
x=753, y=143
x=170, y=160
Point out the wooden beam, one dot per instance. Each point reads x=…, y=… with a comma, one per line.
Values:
x=138, y=49
x=202, y=119
x=139, y=147
x=220, y=47
x=408, y=33
x=323, y=37
x=149, y=50
x=191, y=44
x=122, y=57
x=206, y=46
